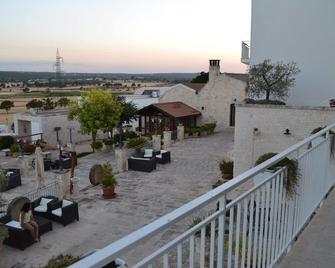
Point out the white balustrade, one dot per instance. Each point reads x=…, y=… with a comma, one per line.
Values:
x=253, y=230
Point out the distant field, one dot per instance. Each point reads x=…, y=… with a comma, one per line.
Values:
x=20, y=99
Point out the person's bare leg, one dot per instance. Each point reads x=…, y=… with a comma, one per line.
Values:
x=30, y=228
x=35, y=225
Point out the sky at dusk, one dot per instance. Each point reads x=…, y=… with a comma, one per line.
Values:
x=134, y=36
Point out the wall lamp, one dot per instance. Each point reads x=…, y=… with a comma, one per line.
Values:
x=287, y=132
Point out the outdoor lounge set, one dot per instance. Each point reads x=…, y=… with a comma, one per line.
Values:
x=45, y=210
x=13, y=179
x=147, y=160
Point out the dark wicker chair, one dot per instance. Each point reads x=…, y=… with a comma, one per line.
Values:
x=163, y=157
x=64, y=212
x=14, y=179
x=142, y=164
x=38, y=209
x=19, y=238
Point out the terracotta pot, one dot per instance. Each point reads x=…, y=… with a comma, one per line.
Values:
x=227, y=176
x=108, y=192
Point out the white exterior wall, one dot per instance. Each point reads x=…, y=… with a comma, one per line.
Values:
x=300, y=31
x=46, y=125
x=49, y=135
x=272, y=121
x=215, y=98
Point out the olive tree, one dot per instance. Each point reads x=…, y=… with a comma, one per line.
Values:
x=96, y=110
x=271, y=79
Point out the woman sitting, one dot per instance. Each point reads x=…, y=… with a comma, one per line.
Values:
x=27, y=221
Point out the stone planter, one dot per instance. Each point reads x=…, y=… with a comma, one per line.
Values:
x=180, y=133
x=108, y=148
x=156, y=142
x=167, y=139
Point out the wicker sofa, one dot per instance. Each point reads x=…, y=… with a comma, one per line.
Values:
x=42, y=206
x=14, y=179
x=163, y=157
x=64, y=211
x=142, y=163
x=19, y=238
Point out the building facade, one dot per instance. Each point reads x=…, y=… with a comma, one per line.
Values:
x=262, y=129
x=45, y=122
x=299, y=31
x=215, y=99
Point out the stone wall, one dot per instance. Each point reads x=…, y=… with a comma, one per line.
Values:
x=49, y=123
x=213, y=100
x=271, y=122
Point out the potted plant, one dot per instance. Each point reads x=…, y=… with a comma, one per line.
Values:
x=292, y=180
x=3, y=230
x=109, y=144
x=108, y=182
x=227, y=168
x=3, y=183
x=97, y=145
x=15, y=149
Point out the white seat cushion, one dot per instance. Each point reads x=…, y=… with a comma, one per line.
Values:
x=14, y=224
x=159, y=156
x=41, y=208
x=44, y=201
x=57, y=212
x=148, y=152
x=66, y=203
x=139, y=158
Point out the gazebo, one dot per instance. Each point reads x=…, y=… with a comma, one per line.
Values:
x=166, y=116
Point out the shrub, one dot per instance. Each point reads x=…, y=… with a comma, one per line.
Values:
x=264, y=157
x=108, y=142
x=83, y=154
x=272, y=102
x=108, y=179
x=96, y=145
x=15, y=148
x=116, y=138
x=40, y=142
x=29, y=148
x=6, y=142
x=226, y=167
x=61, y=261
x=293, y=174
x=3, y=184
x=136, y=142
x=316, y=130
x=130, y=135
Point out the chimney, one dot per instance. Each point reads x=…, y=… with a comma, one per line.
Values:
x=214, y=70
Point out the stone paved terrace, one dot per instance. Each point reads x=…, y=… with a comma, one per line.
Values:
x=315, y=246
x=142, y=198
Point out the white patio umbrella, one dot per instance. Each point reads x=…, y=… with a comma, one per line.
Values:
x=39, y=167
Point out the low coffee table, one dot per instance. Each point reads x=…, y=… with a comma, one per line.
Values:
x=44, y=225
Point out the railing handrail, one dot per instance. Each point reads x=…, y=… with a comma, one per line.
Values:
x=110, y=252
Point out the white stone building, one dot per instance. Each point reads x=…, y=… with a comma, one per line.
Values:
x=30, y=123
x=216, y=99
x=262, y=129
x=300, y=31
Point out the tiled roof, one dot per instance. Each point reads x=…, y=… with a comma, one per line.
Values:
x=196, y=86
x=175, y=109
x=239, y=76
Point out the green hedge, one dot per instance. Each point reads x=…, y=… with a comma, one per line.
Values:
x=136, y=142
x=206, y=128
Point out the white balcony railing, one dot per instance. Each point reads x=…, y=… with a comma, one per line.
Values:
x=245, y=52
x=253, y=230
